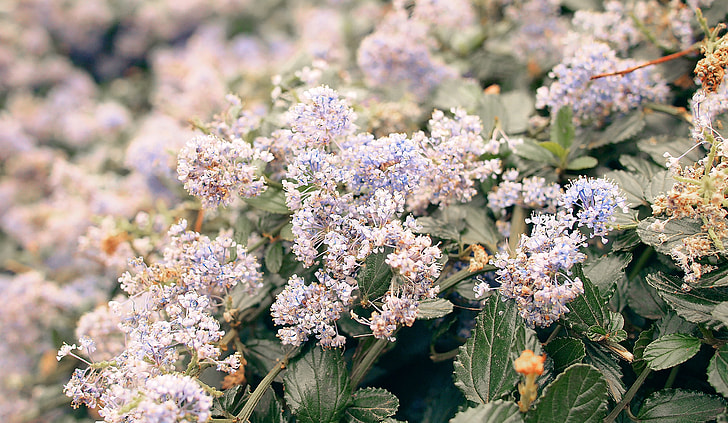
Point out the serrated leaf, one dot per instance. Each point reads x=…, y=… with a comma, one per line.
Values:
x=578, y=395
x=714, y=279
x=659, y=184
x=606, y=270
x=672, y=235
x=645, y=300
x=638, y=164
x=565, y=352
x=274, y=257
x=631, y=184
x=434, y=308
x=228, y=401
x=643, y=340
x=680, y=406
x=695, y=305
x=673, y=323
x=498, y=411
x=271, y=200
x=583, y=162
x=268, y=409
x=604, y=361
x=317, y=386
x=375, y=276
x=621, y=129
x=483, y=369
x=588, y=309
x=671, y=350
x=556, y=149
x=480, y=228
x=562, y=128
x=656, y=147
x=718, y=371
x=371, y=405
x=720, y=313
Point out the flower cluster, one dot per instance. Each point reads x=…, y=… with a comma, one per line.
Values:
x=167, y=317
x=593, y=100
x=215, y=169
x=537, y=276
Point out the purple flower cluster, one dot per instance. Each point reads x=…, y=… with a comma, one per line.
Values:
x=537, y=275
x=321, y=117
x=593, y=100
x=532, y=192
x=215, y=169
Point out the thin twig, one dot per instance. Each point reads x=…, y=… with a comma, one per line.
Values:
x=651, y=62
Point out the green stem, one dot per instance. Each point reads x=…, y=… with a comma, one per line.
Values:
x=553, y=335
x=451, y=280
x=272, y=183
x=672, y=376
x=264, y=384
x=361, y=368
x=628, y=395
x=263, y=240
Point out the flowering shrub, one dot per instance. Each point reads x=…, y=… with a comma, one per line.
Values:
x=364, y=211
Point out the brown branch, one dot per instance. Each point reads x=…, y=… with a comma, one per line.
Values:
x=651, y=62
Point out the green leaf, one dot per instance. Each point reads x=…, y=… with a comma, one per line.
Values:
x=606, y=270
x=578, y=395
x=621, y=129
x=433, y=308
x=498, y=411
x=588, y=309
x=565, y=352
x=680, y=406
x=671, y=350
x=371, y=405
x=268, y=409
x=480, y=228
x=490, y=108
x=483, y=369
x=317, y=386
x=519, y=107
x=720, y=313
x=374, y=277
x=562, y=129
x=457, y=93
x=659, y=184
x=230, y=401
x=286, y=233
x=645, y=300
x=556, y=149
x=638, y=164
x=695, y=306
x=583, y=162
x=645, y=338
x=274, y=257
x=718, y=371
x=530, y=150
x=714, y=279
x=672, y=234
x=656, y=147
x=271, y=200
x=632, y=184
x=604, y=361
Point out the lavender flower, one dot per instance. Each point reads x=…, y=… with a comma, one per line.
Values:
x=321, y=117
x=214, y=169
x=597, y=200
x=594, y=100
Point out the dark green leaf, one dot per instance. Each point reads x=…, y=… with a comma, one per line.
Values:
x=714, y=279
x=578, y=395
x=272, y=200
x=645, y=300
x=670, y=236
x=530, y=150
x=659, y=184
x=268, y=409
x=588, y=309
x=656, y=147
x=673, y=323
x=720, y=313
x=695, y=305
x=229, y=401
x=562, y=128
x=633, y=186
x=565, y=352
x=718, y=371
x=483, y=369
x=374, y=277
x=680, y=406
x=638, y=164
x=317, y=386
x=371, y=405
x=434, y=308
x=498, y=411
x=671, y=350
x=621, y=129
x=274, y=257
x=599, y=357
x=480, y=228
x=583, y=162
x=645, y=338
x=606, y=270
